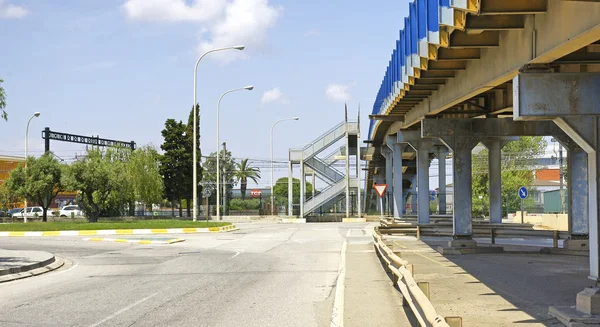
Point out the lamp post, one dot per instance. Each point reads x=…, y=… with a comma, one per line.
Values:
x=273, y=194
x=249, y=88
x=36, y=114
x=195, y=177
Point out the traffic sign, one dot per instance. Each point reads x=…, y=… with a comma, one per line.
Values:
x=523, y=192
x=380, y=189
x=255, y=193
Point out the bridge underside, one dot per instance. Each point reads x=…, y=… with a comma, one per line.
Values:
x=488, y=71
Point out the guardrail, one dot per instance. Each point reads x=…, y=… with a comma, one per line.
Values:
x=415, y=294
x=481, y=231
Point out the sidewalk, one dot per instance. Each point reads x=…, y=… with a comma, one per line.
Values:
x=370, y=299
x=21, y=264
x=496, y=289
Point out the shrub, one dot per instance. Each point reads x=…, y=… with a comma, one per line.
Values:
x=248, y=204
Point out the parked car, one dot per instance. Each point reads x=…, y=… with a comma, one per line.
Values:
x=13, y=212
x=33, y=212
x=67, y=210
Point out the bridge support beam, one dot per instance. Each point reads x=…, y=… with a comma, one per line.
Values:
x=571, y=101
x=423, y=148
x=442, y=152
x=397, y=179
x=389, y=174
x=494, y=146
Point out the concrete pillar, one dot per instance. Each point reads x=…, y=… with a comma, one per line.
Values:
x=461, y=161
x=397, y=179
x=494, y=146
x=290, y=190
x=442, y=151
x=388, y=178
x=413, y=194
x=302, y=188
x=577, y=172
x=423, y=147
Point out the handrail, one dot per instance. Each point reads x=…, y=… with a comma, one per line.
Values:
x=412, y=293
x=319, y=138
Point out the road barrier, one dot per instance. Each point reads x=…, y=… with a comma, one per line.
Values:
x=415, y=295
x=479, y=230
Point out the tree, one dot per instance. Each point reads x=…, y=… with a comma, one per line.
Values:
x=227, y=171
x=42, y=182
x=173, y=162
x=7, y=198
x=98, y=177
x=144, y=175
x=517, y=159
x=244, y=172
x=4, y=115
x=189, y=156
x=280, y=190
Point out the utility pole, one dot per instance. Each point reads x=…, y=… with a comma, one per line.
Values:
x=225, y=179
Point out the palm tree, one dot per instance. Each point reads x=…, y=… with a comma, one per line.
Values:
x=244, y=172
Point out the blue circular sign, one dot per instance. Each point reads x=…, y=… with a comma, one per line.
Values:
x=523, y=192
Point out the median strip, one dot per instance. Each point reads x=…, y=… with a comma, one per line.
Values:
x=108, y=232
x=136, y=241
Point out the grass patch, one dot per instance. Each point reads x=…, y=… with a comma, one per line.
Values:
x=139, y=224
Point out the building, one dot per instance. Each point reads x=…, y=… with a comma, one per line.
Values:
x=8, y=163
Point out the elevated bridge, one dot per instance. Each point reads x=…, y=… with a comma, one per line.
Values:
x=464, y=72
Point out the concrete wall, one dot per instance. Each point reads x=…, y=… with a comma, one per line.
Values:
x=553, y=221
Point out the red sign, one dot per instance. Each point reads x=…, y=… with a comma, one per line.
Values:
x=380, y=189
x=255, y=193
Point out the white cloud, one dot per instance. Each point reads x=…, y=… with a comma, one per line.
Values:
x=274, y=95
x=223, y=22
x=8, y=10
x=338, y=92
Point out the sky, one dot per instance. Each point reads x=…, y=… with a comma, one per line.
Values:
x=120, y=68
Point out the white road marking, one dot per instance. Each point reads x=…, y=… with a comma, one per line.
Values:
x=127, y=308
x=337, y=316
x=235, y=255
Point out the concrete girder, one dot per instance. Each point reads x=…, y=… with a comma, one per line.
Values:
x=433, y=81
x=519, y=7
x=387, y=117
x=458, y=54
x=580, y=58
x=489, y=127
x=487, y=39
x=448, y=65
x=424, y=87
x=579, y=27
x=543, y=95
x=437, y=74
x=478, y=24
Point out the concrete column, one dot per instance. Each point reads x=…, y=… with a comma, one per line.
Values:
x=494, y=146
x=413, y=195
x=389, y=171
x=347, y=174
x=423, y=147
x=358, y=173
x=442, y=151
x=578, y=193
x=397, y=179
x=302, y=188
x=290, y=190
x=461, y=161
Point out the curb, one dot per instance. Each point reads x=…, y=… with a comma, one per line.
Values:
x=124, y=240
x=25, y=268
x=54, y=263
x=103, y=232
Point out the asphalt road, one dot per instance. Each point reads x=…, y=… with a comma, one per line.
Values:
x=260, y=275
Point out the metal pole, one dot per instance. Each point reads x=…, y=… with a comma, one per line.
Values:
x=225, y=179
x=562, y=194
x=195, y=159
x=249, y=88
x=36, y=114
x=290, y=190
x=273, y=194
x=522, y=208
x=381, y=205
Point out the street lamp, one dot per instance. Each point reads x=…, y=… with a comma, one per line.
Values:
x=36, y=114
x=273, y=194
x=249, y=88
x=195, y=177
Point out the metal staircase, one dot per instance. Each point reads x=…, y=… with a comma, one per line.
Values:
x=307, y=157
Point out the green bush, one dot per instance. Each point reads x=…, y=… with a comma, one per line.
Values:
x=248, y=204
